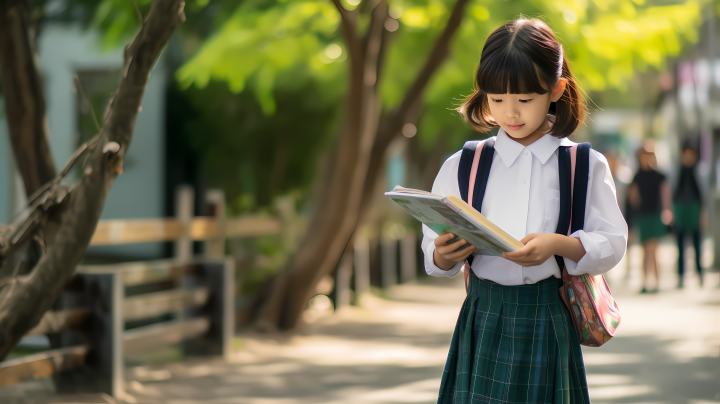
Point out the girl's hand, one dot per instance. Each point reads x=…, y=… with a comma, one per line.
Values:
x=667, y=217
x=447, y=255
x=541, y=246
x=538, y=248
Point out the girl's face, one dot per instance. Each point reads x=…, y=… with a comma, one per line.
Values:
x=689, y=158
x=524, y=115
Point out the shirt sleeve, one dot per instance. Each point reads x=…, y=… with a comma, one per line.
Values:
x=605, y=233
x=445, y=184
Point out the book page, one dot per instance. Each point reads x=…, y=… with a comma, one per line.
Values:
x=398, y=188
x=434, y=213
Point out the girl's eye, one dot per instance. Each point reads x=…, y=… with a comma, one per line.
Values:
x=494, y=100
x=526, y=101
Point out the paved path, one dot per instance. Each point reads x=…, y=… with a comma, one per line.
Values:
x=393, y=350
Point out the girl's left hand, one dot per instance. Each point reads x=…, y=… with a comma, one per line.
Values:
x=538, y=248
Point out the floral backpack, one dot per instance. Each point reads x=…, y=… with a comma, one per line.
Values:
x=592, y=308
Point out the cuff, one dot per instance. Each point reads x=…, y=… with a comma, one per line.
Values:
x=433, y=269
x=596, y=247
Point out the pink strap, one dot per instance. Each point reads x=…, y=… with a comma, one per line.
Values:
x=573, y=153
x=471, y=187
x=473, y=171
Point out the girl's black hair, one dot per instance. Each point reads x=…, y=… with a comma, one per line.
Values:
x=688, y=144
x=524, y=57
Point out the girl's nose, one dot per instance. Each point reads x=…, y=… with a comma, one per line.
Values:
x=512, y=113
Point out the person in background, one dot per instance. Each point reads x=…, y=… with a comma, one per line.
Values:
x=687, y=203
x=651, y=200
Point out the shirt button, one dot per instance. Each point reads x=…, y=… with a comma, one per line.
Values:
x=525, y=153
x=524, y=181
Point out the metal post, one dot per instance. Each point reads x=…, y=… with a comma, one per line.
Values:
x=409, y=257
x=215, y=248
x=342, y=285
x=118, y=327
x=362, y=266
x=388, y=253
x=228, y=323
x=184, y=208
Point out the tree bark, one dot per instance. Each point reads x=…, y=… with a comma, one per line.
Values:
x=23, y=301
x=24, y=100
x=339, y=197
x=357, y=163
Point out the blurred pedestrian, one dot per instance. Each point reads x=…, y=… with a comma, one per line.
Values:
x=687, y=207
x=651, y=200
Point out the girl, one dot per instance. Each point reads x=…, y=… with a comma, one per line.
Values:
x=514, y=341
x=687, y=207
x=652, y=203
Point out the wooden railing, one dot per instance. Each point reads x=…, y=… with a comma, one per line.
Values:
x=115, y=232
x=191, y=298
x=185, y=299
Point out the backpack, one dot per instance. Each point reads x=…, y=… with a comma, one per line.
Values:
x=592, y=308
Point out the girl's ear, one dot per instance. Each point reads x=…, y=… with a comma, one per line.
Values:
x=558, y=90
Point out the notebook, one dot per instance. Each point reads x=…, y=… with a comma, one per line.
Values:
x=453, y=215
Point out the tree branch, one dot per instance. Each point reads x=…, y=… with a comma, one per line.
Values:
x=348, y=23
x=24, y=100
x=79, y=216
x=392, y=123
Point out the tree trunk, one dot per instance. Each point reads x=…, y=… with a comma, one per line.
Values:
x=23, y=301
x=340, y=197
x=360, y=152
x=24, y=100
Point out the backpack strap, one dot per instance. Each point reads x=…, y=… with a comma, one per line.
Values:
x=473, y=173
x=574, y=172
x=580, y=186
x=467, y=158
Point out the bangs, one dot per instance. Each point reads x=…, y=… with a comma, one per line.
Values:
x=508, y=71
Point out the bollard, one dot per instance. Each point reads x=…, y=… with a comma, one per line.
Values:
x=342, y=284
x=388, y=253
x=409, y=257
x=362, y=266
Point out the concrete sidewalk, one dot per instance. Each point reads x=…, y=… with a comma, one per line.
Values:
x=392, y=350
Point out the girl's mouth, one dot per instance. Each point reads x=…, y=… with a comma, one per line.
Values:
x=515, y=127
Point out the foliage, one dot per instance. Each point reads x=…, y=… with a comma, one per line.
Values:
x=252, y=158
x=606, y=40
x=266, y=73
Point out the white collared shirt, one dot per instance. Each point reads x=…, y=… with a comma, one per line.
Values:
x=523, y=197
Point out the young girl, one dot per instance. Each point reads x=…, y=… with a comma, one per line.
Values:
x=514, y=341
x=688, y=210
x=652, y=203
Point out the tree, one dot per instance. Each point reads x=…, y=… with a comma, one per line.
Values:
x=62, y=219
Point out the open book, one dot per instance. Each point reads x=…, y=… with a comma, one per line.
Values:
x=452, y=215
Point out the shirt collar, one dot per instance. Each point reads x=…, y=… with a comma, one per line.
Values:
x=543, y=148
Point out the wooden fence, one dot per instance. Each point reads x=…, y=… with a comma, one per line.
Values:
x=109, y=311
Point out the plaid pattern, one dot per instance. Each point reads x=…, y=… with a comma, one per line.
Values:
x=514, y=344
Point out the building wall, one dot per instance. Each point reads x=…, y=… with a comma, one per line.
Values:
x=138, y=192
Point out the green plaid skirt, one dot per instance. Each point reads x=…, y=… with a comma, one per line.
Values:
x=514, y=344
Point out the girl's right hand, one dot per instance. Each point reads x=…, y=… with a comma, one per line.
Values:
x=447, y=255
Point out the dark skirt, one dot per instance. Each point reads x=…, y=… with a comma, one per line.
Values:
x=514, y=344
x=651, y=226
x=687, y=216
